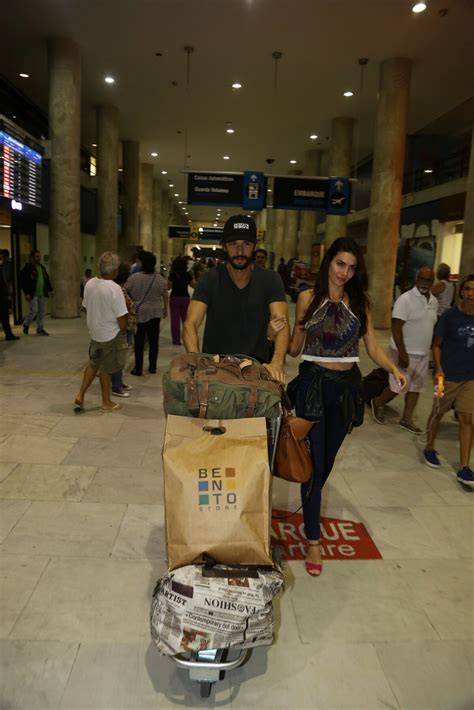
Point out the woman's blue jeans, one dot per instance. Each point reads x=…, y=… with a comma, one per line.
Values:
x=325, y=437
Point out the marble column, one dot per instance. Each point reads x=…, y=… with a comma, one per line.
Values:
x=340, y=158
x=467, y=252
x=165, y=242
x=64, y=65
x=387, y=182
x=107, y=179
x=279, y=232
x=156, y=221
x=309, y=220
x=145, y=203
x=130, y=182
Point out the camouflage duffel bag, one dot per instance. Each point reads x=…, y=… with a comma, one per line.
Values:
x=219, y=387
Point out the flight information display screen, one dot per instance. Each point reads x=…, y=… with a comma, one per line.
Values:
x=20, y=167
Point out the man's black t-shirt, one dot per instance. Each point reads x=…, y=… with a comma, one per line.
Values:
x=237, y=318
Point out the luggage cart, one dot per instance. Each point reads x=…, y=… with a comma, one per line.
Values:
x=209, y=666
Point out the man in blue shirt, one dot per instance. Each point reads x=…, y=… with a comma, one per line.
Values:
x=453, y=353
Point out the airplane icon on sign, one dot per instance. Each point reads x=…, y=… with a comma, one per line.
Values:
x=337, y=201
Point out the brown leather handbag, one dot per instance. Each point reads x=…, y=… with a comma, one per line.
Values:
x=292, y=457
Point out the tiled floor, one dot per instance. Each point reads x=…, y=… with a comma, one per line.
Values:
x=82, y=544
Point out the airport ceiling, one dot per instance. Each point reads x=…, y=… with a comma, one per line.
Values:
x=140, y=43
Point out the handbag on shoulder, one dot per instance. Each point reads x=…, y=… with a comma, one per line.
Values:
x=292, y=457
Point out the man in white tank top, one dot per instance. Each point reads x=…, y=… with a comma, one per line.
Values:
x=443, y=290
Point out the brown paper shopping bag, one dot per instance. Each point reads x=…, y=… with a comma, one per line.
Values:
x=217, y=490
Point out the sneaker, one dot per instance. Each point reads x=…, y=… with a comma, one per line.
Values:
x=377, y=412
x=12, y=336
x=409, y=426
x=431, y=458
x=466, y=476
x=127, y=388
x=120, y=393
x=25, y=330
x=41, y=332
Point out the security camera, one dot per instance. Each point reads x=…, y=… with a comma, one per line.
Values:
x=270, y=161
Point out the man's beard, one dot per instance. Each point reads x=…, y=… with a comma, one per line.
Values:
x=240, y=265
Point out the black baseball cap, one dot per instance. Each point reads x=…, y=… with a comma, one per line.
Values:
x=239, y=226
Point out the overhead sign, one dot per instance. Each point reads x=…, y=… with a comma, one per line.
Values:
x=206, y=188
x=211, y=233
x=255, y=191
x=338, y=195
x=312, y=194
x=178, y=231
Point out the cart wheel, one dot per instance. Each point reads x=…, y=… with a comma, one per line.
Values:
x=205, y=689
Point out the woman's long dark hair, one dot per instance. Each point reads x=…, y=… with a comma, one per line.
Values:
x=356, y=288
x=179, y=265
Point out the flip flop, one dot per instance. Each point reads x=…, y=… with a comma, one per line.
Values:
x=106, y=411
x=79, y=406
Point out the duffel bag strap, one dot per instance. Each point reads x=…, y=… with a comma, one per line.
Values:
x=253, y=399
x=204, y=399
x=193, y=394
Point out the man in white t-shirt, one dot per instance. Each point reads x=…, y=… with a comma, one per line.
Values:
x=107, y=324
x=414, y=317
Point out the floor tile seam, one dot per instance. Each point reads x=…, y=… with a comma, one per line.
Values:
x=8, y=476
x=391, y=685
x=29, y=597
x=66, y=502
x=119, y=527
x=78, y=558
x=17, y=521
x=76, y=655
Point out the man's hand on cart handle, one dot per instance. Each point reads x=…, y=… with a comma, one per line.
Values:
x=276, y=371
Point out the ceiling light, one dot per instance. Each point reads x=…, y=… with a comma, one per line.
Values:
x=164, y=172
x=214, y=225
x=419, y=7
x=94, y=145
x=348, y=93
x=171, y=184
x=180, y=202
x=176, y=194
x=229, y=130
x=313, y=136
x=428, y=171
x=109, y=80
x=226, y=157
x=120, y=170
x=293, y=162
x=269, y=189
x=154, y=155
x=236, y=85
x=24, y=76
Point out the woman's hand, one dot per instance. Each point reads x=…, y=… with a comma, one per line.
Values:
x=276, y=324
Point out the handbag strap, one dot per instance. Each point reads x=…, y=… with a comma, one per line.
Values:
x=306, y=498
x=140, y=302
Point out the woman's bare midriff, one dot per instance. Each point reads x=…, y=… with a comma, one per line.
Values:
x=336, y=365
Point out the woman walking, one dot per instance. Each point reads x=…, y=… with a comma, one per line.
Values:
x=178, y=281
x=148, y=291
x=330, y=320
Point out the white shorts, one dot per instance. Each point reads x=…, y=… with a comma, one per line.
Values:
x=415, y=373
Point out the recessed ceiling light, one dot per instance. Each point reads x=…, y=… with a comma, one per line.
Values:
x=419, y=7
x=214, y=225
x=236, y=85
x=269, y=189
x=24, y=76
x=293, y=162
x=313, y=136
x=229, y=130
x=154, y=155
x=176, y=194
x=348, y=93
x=180, y=202
x=226, y=157
x=120, y=170
x=164, y=172
x=171, y=184
x=109, y=80
x=94, y=145
x=428, y=170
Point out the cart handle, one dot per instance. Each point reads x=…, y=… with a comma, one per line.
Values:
x=222, y=666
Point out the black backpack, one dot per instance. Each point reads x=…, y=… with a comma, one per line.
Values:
x=374, y=384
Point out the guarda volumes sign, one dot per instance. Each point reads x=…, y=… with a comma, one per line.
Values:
x=224, y=189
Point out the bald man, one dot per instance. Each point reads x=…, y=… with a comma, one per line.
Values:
x=414, y=317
